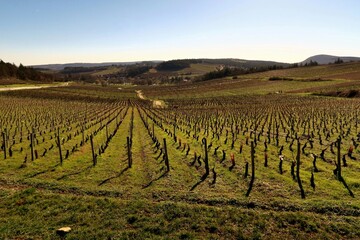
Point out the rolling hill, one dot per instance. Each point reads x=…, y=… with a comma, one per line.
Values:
x=322, y=79
x=184, y=70
x=326, y=59
x=233, y=62
x=59, y=67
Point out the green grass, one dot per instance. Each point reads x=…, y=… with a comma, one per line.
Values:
x=347, y=71
x=103, y=218
x=236, y=87
x=330, y=78
x=109, y=70
x=200, y=68
x=24, y=85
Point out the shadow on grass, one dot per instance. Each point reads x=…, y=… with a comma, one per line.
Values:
x=202, y=179
x=51, y=169
x=118, y=175
x=75, y=173
x=154, y=180
x=346, y=186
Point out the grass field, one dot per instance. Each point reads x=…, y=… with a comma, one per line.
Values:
x=11, y=81
x=349, y=71
x=198, y=69
x=110, y=70
x=105, y=198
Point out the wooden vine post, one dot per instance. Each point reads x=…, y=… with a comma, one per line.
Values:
x=338, y=159
x=166, y=157
x=32, y=145
x=92, y=150
x=252, y=169
x=206, y=159
x=59, y=146
x=298, y=170
x=175, y=128
x=129, y=152
x=4, y=142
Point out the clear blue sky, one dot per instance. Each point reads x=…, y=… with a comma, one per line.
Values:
x=59, y=31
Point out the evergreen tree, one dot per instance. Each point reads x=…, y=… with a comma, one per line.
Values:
x=21, y=72
x=338, y=61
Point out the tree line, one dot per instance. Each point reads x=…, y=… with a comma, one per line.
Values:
x=8, y=70
x=233, y=71
x=175, y=65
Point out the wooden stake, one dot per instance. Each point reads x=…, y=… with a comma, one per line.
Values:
x=252, y=169
x=339, y=158
x=4, y=141
x=32, y=146
x=59, y=145
x=129, y=152
x=298, y=170
x=166, y=157
x=92, y=150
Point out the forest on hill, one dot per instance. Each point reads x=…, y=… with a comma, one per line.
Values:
x=10, y=70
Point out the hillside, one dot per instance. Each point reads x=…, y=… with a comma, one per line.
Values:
x=192, y=70
x=59, y=67
x=153, y=72
x=225, y=61
x=349, y=71
x=12, y=74
x=317, y=79
x=326, y=59
x=243, y=63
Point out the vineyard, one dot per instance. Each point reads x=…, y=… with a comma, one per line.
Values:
x=114, y=166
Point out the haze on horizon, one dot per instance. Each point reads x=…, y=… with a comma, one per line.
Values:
x=53, y=31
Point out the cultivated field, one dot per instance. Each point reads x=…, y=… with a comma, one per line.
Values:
x=255, y=159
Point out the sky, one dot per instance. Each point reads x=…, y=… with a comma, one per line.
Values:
x=67, y=31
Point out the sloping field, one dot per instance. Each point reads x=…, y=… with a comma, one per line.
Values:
x=317, y=79
x=234, y=87
x=110, y=70
x=11, y=81
x=199, y=68
x=348, y=71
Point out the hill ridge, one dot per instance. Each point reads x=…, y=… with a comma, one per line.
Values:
x=326, y=59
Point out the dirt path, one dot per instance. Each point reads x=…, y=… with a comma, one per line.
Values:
x=140, y=94
x=32, y=87
x=156, y=103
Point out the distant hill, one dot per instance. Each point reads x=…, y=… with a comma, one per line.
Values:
x=182, y=63
x=230, y=62
x=59, y=67
x=243, y=63
x=326, y=59
x=174, y=65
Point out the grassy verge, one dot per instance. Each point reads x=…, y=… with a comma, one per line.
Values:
x=112, y=218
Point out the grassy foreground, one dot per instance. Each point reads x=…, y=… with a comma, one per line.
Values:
x=30, y=213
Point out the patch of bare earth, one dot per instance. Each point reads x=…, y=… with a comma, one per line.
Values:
x=140, y=94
